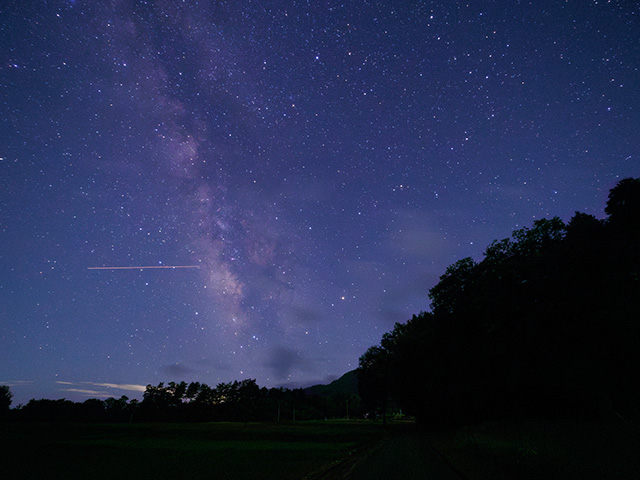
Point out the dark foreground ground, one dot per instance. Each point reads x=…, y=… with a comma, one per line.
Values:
x=321, y=451
x=523, y=450
x=177, y=451
x=515, y=450
x=528, y=450
x=403, y=453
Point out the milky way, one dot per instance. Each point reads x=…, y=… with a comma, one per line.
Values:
x=320, y=163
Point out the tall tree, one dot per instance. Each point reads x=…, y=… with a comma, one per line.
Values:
x=5, y=399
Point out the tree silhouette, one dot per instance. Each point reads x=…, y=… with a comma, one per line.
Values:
x=546, y=324
x=5, y=399
x=623, y=205
x=374, y=375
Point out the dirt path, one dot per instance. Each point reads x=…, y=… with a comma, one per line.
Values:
x=403, y=454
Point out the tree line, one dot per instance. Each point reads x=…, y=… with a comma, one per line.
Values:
x=547, y=324
x=191, y=402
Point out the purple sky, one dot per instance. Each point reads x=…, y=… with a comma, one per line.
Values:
x=322, y=163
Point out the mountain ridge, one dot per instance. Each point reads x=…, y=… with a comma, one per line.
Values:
x=347, y=384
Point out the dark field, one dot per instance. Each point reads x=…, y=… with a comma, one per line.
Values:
x=524, y=450
x=535, y=449
x=193, y=451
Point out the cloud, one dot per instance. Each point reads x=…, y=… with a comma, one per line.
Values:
x=16, y=383
x=121, y=386
x=176, y=370
x=282, y=360
x=304, y=315
x=117, y=386
x=419, y=236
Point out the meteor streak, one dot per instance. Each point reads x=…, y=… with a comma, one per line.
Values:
x=143, y=267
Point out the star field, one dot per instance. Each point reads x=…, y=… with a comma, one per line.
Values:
x=322, y=163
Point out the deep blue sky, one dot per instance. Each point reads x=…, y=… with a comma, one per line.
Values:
x=322, y=163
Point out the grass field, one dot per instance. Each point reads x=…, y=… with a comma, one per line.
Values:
x=536, y=449
x=523, y=449
x=193, y=451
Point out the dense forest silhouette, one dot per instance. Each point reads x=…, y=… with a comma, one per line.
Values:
x=547, y=324
x=198, y=402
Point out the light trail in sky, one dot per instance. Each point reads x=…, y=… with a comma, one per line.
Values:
x=143, y=267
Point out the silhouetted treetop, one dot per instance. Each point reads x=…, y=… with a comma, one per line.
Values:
x=5, y=398
x=624, y=201
x=451, y=288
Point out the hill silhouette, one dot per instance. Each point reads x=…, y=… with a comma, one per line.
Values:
x=347, y=384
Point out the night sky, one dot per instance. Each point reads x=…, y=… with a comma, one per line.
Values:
x=322, y=163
